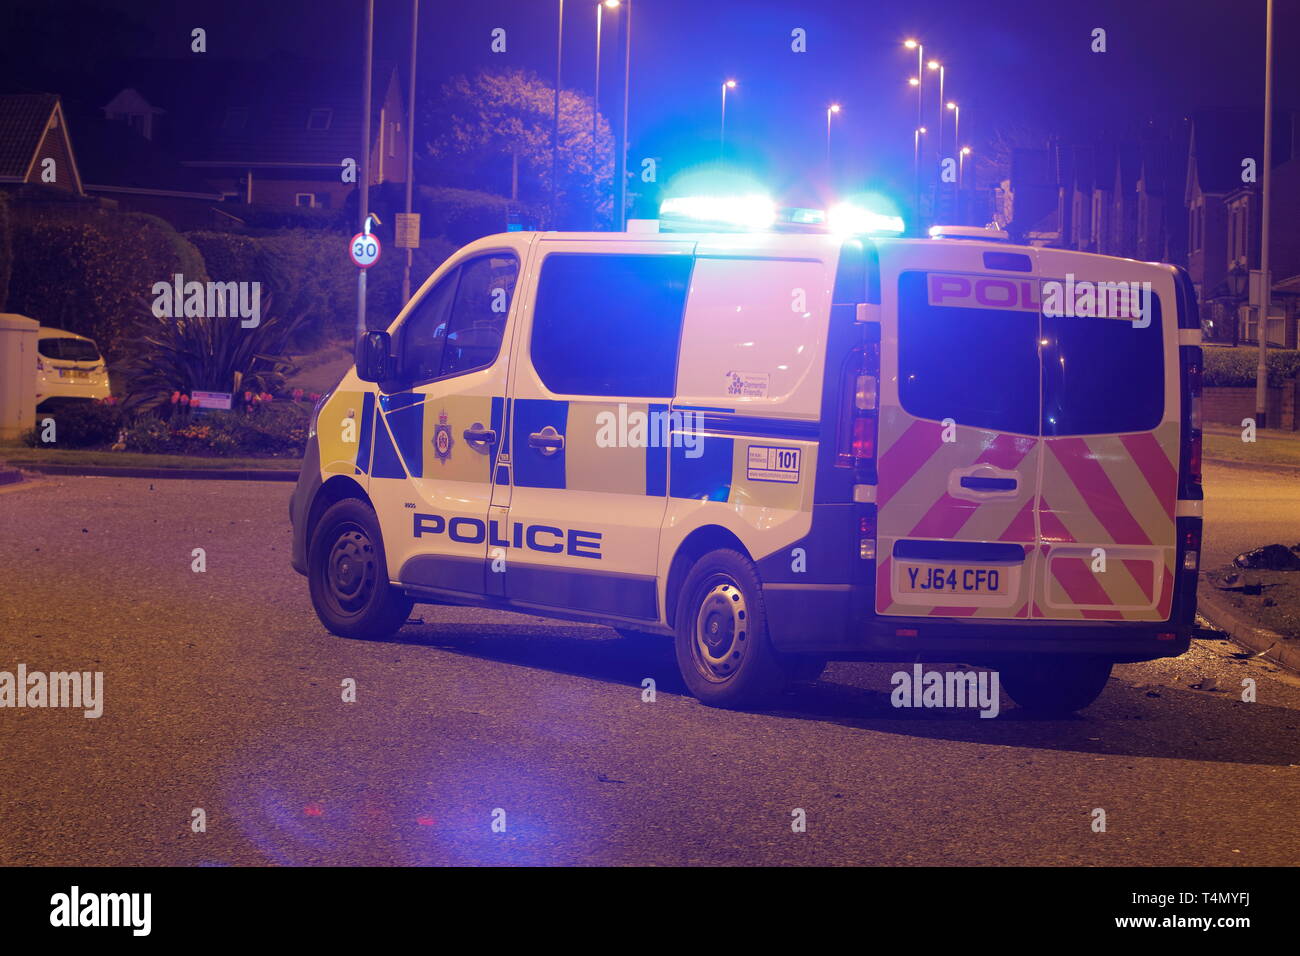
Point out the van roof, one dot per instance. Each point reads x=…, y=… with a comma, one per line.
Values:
x=797, y=244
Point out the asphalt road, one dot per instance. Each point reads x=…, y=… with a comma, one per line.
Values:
x=222, y=692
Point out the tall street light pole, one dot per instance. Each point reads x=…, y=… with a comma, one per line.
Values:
x=919, y=82
x=830, y=111
x=1265, y=285
x=363, y=206
x=410, y=143
x=622, y=150
x=555, y=116
x=916, y=159
x=936, y=65
x=722, y=134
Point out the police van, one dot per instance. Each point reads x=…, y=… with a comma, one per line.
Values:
x=777, y=448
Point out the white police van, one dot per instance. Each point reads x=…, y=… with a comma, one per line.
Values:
x=777, y=448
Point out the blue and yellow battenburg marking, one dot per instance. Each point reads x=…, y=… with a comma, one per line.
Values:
x=708, y=456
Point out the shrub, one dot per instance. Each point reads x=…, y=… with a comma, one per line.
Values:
x=1237, y=367
x=261, y=430
x=93, y=274
x=78, y=425
x=182, y=355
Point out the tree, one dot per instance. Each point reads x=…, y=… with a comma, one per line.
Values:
x=492, y=132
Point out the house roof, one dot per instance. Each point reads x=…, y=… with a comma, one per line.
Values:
x=23, y=117
x=113, y=155
x=260, y=114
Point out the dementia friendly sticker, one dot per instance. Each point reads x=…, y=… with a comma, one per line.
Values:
x=767, y=463
x=747, y=384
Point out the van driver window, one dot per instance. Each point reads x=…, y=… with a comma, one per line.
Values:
x=459, y=324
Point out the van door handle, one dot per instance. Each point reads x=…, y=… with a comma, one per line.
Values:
x=476, y=434
x=986, y=483
x=548, y=441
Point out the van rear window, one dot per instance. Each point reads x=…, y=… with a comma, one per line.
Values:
x=1102, y=375
x=981, y=367
x=978, y=367
x=69, y=350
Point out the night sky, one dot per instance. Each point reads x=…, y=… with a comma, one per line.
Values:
x=1019, y=65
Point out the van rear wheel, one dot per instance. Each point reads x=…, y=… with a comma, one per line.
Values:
x=348, y=574
x=722, y=645
x=1055, y=686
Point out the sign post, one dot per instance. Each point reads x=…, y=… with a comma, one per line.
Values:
x=364, y=250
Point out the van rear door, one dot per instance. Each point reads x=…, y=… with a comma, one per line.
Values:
x=960, y=451
x=1111, y=434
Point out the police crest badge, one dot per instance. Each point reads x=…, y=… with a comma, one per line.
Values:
x=442, y=440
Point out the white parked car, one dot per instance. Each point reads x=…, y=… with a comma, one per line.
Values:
x=68, y=368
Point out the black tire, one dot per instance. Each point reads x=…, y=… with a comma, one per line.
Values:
x=348, y=574
x=722, y=644
x=1055, y=686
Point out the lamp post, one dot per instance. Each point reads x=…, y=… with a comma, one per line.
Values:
x=555, y=116
x=956, y=123
x=722, y=134
x=1265, y=286
x=916, y=159
x=830, y=111
x=919, y=82
x=622, y=149
x=595, y=100
x=961, y=160
x=936, y=65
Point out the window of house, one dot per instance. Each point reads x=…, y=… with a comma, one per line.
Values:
x=304, y=199
x=319, y=119
x=610, y=324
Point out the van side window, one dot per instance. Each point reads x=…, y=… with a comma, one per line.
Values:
x=459, y=324
x=610, y=324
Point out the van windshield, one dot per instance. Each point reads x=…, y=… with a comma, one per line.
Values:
x=69, y=350
x=981, y=367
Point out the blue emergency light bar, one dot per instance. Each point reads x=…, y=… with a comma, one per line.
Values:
x=755, y=212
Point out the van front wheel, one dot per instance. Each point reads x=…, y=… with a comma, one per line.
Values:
x=348, y=574
x=722, y=645
x=1055, y=686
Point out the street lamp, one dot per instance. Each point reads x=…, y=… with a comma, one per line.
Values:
x=961, y=160
x=830, y=111
x=722, y=136
x=916, y=163
x=555, y=116
x=936, y=65
x=919, y=82
x=622, y=151
x=956, y=122
x=595, y=100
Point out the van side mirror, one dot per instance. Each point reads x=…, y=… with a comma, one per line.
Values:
x=374, y=357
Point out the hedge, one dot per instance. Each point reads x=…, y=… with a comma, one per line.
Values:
x=94, y=274
x=1238, y=366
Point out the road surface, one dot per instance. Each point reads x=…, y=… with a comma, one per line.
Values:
x=223, y=693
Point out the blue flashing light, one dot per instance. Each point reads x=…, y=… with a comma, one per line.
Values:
x=850, y=219
x=751, y=211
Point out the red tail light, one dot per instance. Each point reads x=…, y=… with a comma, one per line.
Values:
x=860, y=386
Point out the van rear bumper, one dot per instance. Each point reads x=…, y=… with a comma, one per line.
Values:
x=836, y=621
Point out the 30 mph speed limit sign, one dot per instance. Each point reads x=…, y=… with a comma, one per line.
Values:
x=364, y=249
